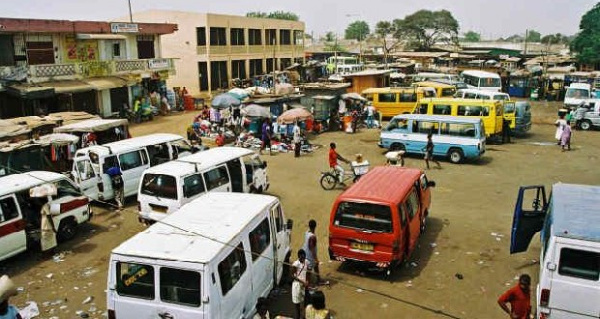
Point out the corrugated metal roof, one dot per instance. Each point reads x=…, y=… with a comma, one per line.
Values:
x=576, y=211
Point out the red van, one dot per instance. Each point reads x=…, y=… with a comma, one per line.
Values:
x=379, y=219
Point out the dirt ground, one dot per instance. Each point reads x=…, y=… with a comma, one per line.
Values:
x=461, y=266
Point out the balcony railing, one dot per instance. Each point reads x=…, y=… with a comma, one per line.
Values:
x=81, y=70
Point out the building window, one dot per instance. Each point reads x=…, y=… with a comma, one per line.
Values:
x=270, y=65
x=116, y=49
x=203, y=76
x=256, y=67
x=40, y=53
x=218, y=77
x=271, y=36
x=238, y=69
x=7, y=53
x=218, y=36
x=285, y=37
x=145, y=45
x=237, y=36
x=285, y=62
x=201, y=36
x=254, y=37
x=298, y=37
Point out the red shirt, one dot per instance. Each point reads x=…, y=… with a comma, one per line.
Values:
x=520, y=301
x=220, y=140
x=332, y=158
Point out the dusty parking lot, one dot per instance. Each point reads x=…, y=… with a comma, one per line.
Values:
x=460, y=268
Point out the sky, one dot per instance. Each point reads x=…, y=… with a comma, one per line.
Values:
x=490, y=18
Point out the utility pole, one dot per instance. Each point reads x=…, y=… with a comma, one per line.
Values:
x=130, y=13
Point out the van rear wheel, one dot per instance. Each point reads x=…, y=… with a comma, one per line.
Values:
x=397, y=147
x=456, y=155
x=585, y=125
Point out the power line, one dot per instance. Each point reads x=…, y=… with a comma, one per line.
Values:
x=236, y=247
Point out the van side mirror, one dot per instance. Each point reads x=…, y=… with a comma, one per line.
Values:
x=430, y=184
x=290, y=224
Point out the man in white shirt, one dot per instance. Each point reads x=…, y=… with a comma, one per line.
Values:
x=300, y=283
x=297, y=139
x=370, y=115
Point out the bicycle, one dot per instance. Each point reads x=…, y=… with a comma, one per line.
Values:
x=329, y=180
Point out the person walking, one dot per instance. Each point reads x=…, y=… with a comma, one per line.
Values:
x=333, y=162
x=310, y=247
x=370, y=115
x=297, y=139
x=220, y=139
x=560, y=126
x=519, y=298
x=565, y=138
x=300, y=282
x=266, y=136
x=116, y=180
x=7, y=290
x=429, y=152
x=505, y=131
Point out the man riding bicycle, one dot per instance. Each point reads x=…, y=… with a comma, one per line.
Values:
x=333, y=162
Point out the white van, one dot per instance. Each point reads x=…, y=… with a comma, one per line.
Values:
x=20, y=214
x=569, y=284
x=133, y=156
x=476, y=79
x=166, y=187
x=210, y=265
x=481, y=95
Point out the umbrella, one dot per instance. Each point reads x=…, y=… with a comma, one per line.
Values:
x=255, y=110
x=354, y=96
x=290, y=116
x=225, y=100
x=238, y=93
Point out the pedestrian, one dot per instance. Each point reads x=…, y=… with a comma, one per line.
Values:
x=116, y=180
x=299, y=283
x=266, y=136
x=262, y=309
x=505, y=131
x=429, y=152
x=560, y=126
x=220, y=139
x=565, y=138
x=333, y=162
x=370, y=115
x=317, y=309
x=310, y=248
x=342, y=108
x=519, y=299
x=297, y=139
x=7, y=290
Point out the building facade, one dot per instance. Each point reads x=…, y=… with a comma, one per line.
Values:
x=56, y=65
x=214, y=49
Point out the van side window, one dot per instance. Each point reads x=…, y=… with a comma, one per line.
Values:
x=408, y=97
x=232, y=268
x=180, y=287
x=65, y=188
x=441, y=109
x=216, y=177
x=85, y=170
x=579, y=264
x=422, y=109
x=458, y=129
x=425, y=127
x=109, y=161
x=279, y=218
x=135, y=280
x=130, y=160
x=498, y=111
x=387, y=97
x=471, y=110
x=402, y=213
x=412, y=204
x=8, y=209
x=193, y=185
x=260, y=238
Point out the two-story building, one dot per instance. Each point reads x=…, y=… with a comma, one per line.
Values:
x=93, y=66
x=213, y=49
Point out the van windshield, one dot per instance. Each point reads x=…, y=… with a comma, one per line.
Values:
x=364, y=216
x=159, y=185
x=577, y=93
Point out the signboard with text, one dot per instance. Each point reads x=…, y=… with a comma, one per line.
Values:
x=158, y=64
x=124, y=28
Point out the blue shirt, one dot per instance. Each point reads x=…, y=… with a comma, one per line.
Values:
x=11, y=313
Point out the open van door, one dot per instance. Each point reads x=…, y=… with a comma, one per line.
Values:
x=13, y=238
x=529, y=215
x=85, y=177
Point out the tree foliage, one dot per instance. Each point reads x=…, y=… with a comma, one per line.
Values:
x=330, y=36
x=357, y=30
x=425, y=28
x=533, y=36
x=557, y=38
x=385, y=31
x=281, y=15
x=472, y=36
x=586, y=43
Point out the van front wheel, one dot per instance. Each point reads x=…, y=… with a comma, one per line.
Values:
x=456, y=155
x=585, y=125
x=67, y=230
x=397, y=147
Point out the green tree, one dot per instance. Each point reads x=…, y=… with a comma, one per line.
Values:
x=533, y=36
x=281, y=15
x=425, y=28
x=357, y=30
x=330, y=36
x=472, y=36
x=385, y=32
x=586, y=43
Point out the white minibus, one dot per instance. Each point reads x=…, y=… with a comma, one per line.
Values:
x=165, y=188
x=482, y=80
x=213, y=264
x=132, y=156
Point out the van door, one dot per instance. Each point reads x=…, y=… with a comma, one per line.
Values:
x=13, y=238
x=180, y=293
x=237, y=175
x=528, y=218
x=217, y=179
x=282, y=240
x=85, y=177
x=414, y=219
x=256, y=173
x=235, y=280
x=133, y=164
x=133, y=289
x=262, y=242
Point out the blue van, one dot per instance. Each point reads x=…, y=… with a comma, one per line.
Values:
x=455, y=137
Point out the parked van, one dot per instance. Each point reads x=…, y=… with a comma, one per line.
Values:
x=482, y=95
x=432, y=76
x=393, y=101
x=133, y=156
x=441, y=89
x=376, y=224
x=213, y=258
x=457, y=138
x=577, y=94
x=165, y=188
x=476, y=79
x=490, y=111
x=20, y=214
x=569, y=284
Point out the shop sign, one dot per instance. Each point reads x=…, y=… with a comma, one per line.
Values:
x=124, y=28
x=158, y=64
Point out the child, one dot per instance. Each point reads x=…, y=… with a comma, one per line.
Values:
x=429, y=152
x=565, y=137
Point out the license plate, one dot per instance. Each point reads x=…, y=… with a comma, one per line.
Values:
x=361, y=246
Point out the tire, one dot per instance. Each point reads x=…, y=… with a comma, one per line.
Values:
x=328, y=181
x=585, y=125
x=397, y=147
x=67, y=229
x=456, y=156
